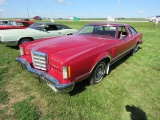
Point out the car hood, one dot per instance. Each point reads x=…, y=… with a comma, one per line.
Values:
x=68, y=46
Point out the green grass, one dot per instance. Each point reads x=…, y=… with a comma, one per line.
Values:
x=24, y=110
x=3, y=96
x=130, y=91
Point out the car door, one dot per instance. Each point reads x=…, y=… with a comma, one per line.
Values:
x=124, y=42
x=134, y=34
x=65, y=30
x=125, y=38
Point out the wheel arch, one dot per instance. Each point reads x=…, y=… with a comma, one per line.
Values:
x=133, y=50
x=137, y=41
x=105, y=56
x=23, y=38
x=69, y=34
x=26, y=37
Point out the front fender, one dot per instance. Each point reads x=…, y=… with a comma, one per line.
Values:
x=100, y=57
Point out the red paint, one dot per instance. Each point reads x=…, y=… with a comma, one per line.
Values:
x=81, y=52
x=26, y=24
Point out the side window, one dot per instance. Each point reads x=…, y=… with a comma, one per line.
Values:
x=25, y=24
x=14, y=24
x=51, y=27
x=59, y=27
x=19, y=24
x=132, y=30
x=122, y=32
x=65, y=27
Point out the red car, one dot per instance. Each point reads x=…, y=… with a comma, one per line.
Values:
x=63, y=61
x=37, y=18
x=17, y=24
x=3, y=22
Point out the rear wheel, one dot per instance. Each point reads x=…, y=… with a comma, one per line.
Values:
x=134, y=50
x=24, y=40
x=70, y=34
x=99, y=72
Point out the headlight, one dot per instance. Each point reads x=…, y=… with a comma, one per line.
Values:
x=21, y=51
x=66, y=72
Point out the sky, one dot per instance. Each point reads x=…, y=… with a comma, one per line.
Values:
x=79, y=8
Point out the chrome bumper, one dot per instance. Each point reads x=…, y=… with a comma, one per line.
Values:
x=51, y=81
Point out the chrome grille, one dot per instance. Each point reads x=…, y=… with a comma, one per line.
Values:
x=39, y=60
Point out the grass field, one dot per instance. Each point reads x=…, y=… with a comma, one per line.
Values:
x=130, y=92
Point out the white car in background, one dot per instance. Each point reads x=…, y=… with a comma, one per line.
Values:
x=153, y=19
x=36, y=31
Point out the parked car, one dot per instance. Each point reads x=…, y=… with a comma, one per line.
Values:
x=63, y=61
x=153, y=19
x=3, y=22
x=37, y=18
x=17, y=24
x=34, y=32
x=25, y=19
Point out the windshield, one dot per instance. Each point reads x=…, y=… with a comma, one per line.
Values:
x=37, y=26
x=98, y=31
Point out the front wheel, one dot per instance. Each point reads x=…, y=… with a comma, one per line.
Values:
x=99, y=72
x=24, y=40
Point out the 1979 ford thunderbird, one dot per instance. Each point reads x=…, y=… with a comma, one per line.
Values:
x=63, y=61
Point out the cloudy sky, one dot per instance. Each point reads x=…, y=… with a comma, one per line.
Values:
x=79, y=8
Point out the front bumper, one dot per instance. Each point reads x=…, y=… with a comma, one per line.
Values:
x=51, y=81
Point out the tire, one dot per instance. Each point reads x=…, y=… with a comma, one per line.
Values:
x=70, y=34
x=24, y=40
x=134, y=50
x=98, y=72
